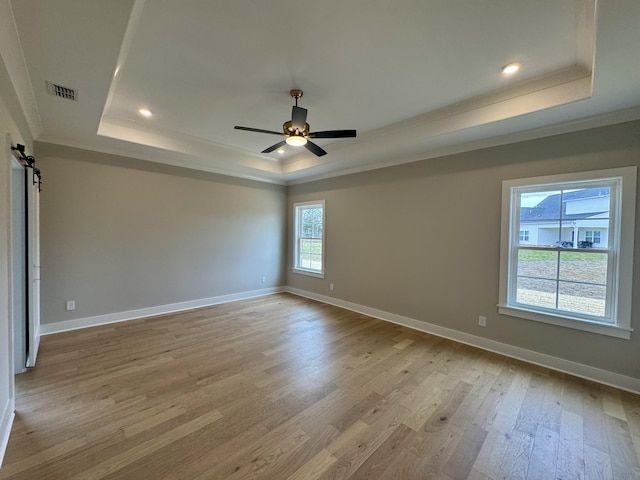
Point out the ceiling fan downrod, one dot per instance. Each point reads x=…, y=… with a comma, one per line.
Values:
x=295, y=93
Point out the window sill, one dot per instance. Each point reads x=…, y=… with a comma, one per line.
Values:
x=593, y=327
x=308, y=273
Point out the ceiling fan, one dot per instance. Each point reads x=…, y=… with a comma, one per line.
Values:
x=297, y=131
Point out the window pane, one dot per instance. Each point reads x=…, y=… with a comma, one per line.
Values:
x=308, y=245
x=587, y=211
x=594, y=237
x=536, y=263
x=316, y=261
x=584, y=267
x=580, y=298
x=540, y=215
x=567, y=218
x=305, y=261
x=531, y=291
x=586, y=201
x=312, y=222
x=548, y=234
x=543, y=203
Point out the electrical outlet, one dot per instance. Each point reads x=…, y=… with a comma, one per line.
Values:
x=331, y=286
x=482, y=321
x=70, y=305
x=263, y=279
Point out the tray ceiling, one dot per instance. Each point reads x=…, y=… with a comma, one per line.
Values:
x=417, y=79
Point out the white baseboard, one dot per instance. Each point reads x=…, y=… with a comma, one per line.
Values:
x=78, y=323
x=605, y=377
x=6, y=422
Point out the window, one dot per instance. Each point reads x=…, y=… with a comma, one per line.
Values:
x=577, y=270
x=592, y=236
x=309, y=238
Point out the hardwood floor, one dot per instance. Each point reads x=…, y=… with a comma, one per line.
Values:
x=287, y=388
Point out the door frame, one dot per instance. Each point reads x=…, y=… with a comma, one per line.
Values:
x=33, y=270
x=19, y=319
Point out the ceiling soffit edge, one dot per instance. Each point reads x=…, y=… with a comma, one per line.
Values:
x=16, y=66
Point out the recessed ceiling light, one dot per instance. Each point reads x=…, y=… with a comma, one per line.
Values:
x=145, y=112
x=510, y=68
x=280, y=151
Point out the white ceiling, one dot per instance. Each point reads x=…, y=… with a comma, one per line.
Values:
x=416, y=78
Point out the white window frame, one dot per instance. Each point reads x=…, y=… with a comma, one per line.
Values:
x=523, y=235
x=621, y=247
x=297, y=213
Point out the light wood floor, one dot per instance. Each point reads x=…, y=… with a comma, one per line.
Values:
x=286, y=388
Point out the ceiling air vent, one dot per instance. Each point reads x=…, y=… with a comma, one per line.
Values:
x=61, y=91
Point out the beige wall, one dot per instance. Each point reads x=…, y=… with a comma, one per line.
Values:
x=422, y=240
x=119, y=234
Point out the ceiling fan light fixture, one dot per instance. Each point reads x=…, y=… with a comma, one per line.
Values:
x=296, y=140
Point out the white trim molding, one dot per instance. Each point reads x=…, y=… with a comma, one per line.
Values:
x=623, y=382
x=78, y=323
x=6, y=422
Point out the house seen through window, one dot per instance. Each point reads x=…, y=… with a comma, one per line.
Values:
x=574, y=279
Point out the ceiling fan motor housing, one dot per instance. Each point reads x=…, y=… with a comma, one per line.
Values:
x=288, y=129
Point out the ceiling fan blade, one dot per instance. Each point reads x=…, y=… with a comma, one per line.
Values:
x=315, y=149
x=298, y=117
x=274, y=147
x=259, y=130
x=333, y=134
